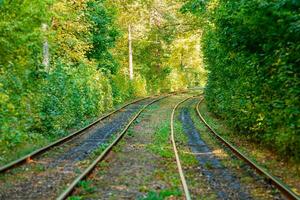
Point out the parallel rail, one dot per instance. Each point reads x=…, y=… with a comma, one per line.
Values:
x=40, y=151
x=91, y=167
x=286, y=191
x=181, y=174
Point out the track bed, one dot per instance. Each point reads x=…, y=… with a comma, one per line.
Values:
x=48, y=174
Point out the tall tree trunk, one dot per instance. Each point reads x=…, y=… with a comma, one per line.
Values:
x=45, y=49
x=130, y=54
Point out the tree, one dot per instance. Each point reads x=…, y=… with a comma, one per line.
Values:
x=104, y=35
x=251, y=50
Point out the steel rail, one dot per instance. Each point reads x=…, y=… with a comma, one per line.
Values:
x=181, y=174
x=37, y=152
x=89, y=169
x=285, y=189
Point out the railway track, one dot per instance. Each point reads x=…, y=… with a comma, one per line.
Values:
x=73, y=182
x=286, y=191
x=70, y=169
x=63, y=140
x=283, y=188
x=90, y=168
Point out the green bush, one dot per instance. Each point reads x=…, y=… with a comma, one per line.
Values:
x=72, y=96
x=39, y=103
x=82, y=81
x=251, y=51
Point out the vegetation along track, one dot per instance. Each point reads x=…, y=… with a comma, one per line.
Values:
x=287, y=192
x=48, y=174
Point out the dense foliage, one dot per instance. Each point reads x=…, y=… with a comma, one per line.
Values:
x=165, y=54
x=87, y=72
x=104, y=35
x=39, y=101
x=252, y=53
x=19, y=55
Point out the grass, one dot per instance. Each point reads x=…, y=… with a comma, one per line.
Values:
x=163, y=194
x=86, y=186
x=161, y=145
x=74, y=198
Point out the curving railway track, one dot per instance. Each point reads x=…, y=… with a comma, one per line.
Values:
x=56, y=170
x=61, y=141
x=90, y=168
x=68, y=160
x=231, y=188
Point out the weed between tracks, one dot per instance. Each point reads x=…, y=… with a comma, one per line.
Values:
x=160, y=144
x=163, y=194
x=162, y=147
